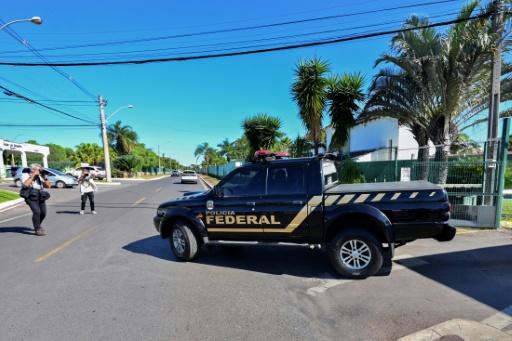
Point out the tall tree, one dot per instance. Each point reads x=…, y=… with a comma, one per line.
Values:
x=438, y=75
x=344, y=94
x=300, y=147
x=202, y=150
x=122, y=137
x=90, y=153
x=226, y=149
x=261, y=131
x=308, y=91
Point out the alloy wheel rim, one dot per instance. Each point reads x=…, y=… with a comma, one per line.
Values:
x=355, y=254
x=178, y=240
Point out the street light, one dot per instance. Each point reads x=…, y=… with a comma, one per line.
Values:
x=34, y=20
x=129, y=106
x=103, y=126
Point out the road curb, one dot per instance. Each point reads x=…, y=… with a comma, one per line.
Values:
x=108, y=183
x=207, y=183
x=10, y=204
x=138, y=179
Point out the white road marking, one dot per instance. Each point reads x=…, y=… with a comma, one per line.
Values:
x=14, y=218
x=500, y=320
x=138, y=201
x=406, y=261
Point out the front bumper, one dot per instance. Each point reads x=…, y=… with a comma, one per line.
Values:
x=157, y=221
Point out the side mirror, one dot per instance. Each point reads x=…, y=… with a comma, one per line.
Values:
x=219, y=193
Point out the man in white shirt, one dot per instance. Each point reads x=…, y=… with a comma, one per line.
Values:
x=87, y=188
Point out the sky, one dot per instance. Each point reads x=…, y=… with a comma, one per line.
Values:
x=181, y=104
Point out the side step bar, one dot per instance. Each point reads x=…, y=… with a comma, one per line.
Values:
x=259, y=243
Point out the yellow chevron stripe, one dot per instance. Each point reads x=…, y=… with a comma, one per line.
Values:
x=378, y=197
x=413, y=195
x=331, y=199
x=346, y=198
x=395, y=196
x=361, y=198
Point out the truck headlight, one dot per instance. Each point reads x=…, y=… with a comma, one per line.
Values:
x=161, y=212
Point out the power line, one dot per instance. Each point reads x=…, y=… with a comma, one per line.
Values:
x=254, y=51
x=237, y=29
x=43, y=125
x=68, y=77
x=12, y=93
x=298, y=35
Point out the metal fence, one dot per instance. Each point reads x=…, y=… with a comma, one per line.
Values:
x=462, y=170
x=222, y=170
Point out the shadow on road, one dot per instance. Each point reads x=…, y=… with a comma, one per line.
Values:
x=17, y=229
x=100, y=205
x=483, y=274
x=67, y=212
x=290, y=260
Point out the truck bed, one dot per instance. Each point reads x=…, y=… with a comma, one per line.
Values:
x=394, y=186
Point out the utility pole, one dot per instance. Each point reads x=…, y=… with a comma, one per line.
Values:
x=491, y=152
x=106, y=152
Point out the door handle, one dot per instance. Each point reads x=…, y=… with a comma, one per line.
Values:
x=297, y=202
x=250, y=203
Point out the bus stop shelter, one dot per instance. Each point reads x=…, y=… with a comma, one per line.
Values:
x=23, y=149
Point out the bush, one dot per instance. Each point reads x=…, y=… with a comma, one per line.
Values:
x=349, y=173
x=128, y=163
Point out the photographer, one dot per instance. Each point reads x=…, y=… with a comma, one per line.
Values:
x=35, y=182
x=87, y=188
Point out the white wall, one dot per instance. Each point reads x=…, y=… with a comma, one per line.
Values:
x=374, y=134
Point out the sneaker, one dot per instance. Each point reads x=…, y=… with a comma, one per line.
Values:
x=40, y=232
x=82, y=212
x=94, y=212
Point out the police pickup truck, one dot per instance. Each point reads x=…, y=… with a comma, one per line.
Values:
x=300, y=201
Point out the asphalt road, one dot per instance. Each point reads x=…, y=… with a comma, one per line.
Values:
x=110, y=277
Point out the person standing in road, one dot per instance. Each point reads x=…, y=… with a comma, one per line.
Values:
x=36, y=182
x=87, y=189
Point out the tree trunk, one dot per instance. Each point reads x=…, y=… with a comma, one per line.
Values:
x=442, y=162
x=423, y=155
x=441, y=138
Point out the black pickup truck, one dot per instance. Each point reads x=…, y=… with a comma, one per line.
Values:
x=300, y=201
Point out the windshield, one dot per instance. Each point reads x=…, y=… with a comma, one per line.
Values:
x=189, y=173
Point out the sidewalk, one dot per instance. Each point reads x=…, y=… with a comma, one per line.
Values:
x=208, y=180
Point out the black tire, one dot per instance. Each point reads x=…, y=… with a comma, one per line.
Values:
x=60, y=184
x=190, y=246
x=372, y=254
x=18, y=183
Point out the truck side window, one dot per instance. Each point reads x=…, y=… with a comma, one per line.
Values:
x=246, y=182
x=286, y=180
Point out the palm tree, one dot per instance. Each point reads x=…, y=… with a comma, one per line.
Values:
x=343, y=97
x=438, y=76
x=308, y=91
x=226, y=149
x=202, y=150
x=261, y=131
x=122, y=138
x=300, y=147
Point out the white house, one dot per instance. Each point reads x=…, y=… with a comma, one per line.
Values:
x=23, y=149
x=379, y=140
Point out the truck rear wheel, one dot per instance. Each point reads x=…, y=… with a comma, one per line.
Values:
x=355, y=253
x=183, y=242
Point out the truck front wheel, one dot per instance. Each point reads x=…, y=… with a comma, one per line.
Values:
x=183, y=242
x=355, y=253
